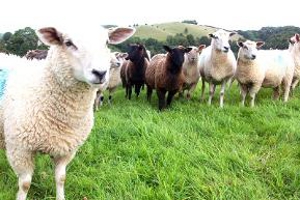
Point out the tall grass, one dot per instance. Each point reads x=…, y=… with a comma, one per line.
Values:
x=190, y=151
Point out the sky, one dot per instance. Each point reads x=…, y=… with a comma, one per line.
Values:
x=228, y=14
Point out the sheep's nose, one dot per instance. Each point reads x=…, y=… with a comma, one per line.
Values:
x=253, y=57
x=99, y=74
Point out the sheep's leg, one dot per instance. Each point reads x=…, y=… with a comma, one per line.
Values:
x=22, y=162
x=129, y=91
x=170, y=96
x=181, y=94
x=212, y=89
x=252, y=92
x=203, y=90
x=149, y=93
x=111, y=91
x=244, y=91
x=276, y=91
x=161, y=93
x=286, y=90
x=61, y=163
x=222, y=93
x=294, y=83
x=137, y=89
x=101, y=99
x=97, y=101
x=191, y=90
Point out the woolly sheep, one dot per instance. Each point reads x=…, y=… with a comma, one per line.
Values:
x=263, y=68
x=294, y=49
x=165, y=74
x=191, y=70
x=114, y=80
x=217, y=64
x=49, y=108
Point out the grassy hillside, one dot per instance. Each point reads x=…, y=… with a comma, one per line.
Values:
x=190, y=151
x=161, y=31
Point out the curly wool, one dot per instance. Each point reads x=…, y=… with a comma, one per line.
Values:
x=60, y=105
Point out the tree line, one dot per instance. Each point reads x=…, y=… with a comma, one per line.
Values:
x=22, y=40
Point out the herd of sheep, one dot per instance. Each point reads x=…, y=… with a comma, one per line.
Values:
x=48, y=103
x=181, y=68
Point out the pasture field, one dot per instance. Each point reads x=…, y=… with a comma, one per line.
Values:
x=163, y=30
x=189, y=152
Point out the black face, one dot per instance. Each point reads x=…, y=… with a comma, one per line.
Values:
x=177, y=54
x=135, y=52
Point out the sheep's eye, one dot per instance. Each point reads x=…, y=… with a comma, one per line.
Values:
x=69, y=43
x=216, y=37
x=245, y=47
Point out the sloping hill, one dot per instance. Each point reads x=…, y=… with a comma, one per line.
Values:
x=161, y=31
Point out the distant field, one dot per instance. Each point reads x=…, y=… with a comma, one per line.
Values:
x=161, y=31
x=189, y=152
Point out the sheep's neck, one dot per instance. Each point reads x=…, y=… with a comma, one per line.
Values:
x=219, y=58
x=139, y=64
x=61, y=83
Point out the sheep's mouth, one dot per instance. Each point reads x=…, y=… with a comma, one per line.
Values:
x=101, y=82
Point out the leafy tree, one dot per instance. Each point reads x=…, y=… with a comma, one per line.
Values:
x=6, y=36
x=22, y=41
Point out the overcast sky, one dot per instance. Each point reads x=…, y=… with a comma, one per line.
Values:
x=228, y=14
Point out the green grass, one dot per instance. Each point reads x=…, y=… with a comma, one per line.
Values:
x=161, y=31
x=191, y=151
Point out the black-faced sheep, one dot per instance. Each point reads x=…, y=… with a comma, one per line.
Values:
x=133, y=69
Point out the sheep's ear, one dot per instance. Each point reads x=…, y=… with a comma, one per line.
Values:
x=119, y=35
x=167, y=48
x=50, y=36
x=232, y=33
x=186, y=50
x=201, y=47
x=259, y=44
x=211, y=35
x=123, y=55
x=240, y=44
x=297, y=37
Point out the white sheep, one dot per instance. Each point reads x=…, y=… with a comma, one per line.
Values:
x=217, y=64
x=294, y=48
x=49, y=108
x=114, y=80
x=263, y=68
x=191, y=70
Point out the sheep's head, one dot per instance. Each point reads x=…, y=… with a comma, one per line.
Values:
x=116, y=59
x=220, y=40
x=135, y=52
x=85, y=50
x=177, y=54
x=294, y=42
x=193, y=55
x=248, y=49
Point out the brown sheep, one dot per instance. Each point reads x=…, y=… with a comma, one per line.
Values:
x=165, y=74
